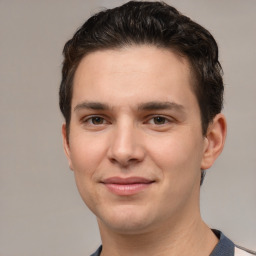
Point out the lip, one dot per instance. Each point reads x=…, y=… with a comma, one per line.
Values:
x=127, y=186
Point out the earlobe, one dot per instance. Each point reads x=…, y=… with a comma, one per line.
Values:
x=66, y=145
x=214, y=141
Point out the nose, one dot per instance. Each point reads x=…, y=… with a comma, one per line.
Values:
x=126, y=146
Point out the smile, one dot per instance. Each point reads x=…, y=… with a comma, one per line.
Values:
x=127, y=186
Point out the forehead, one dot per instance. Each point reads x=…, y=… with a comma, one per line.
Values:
x=137, y=72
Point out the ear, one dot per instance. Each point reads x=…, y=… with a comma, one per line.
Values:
x=214, y=141
x=66, y=145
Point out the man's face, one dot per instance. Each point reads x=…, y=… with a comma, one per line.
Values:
x=135, y=142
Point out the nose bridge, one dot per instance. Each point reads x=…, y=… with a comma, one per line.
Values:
x=125, y=145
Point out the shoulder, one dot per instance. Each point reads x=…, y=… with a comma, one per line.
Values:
x=241, y=251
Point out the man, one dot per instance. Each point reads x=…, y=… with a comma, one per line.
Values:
x=142, y=94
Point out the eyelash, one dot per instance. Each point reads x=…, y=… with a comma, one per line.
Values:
x=89, y=120
x=150, y=120
x=164, y=119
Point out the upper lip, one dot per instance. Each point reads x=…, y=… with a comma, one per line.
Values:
x=129, y=180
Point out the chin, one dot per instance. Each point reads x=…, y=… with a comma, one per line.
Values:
x=126, y=221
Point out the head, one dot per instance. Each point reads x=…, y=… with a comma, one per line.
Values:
x=141, y=94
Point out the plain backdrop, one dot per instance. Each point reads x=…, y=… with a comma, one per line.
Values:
x=41, y=211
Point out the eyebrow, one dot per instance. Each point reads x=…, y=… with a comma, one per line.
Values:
x=156, y=105
x=148, y=106
x=92, y=106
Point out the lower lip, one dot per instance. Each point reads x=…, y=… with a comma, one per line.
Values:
x=127, y=189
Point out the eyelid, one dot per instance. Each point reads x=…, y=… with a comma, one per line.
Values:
x=90, y=117
x=87, y=119
x=168, y=119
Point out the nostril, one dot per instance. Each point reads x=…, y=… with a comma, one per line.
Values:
x=125, y=161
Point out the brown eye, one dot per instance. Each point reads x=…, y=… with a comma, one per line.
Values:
x=159, y=120
x=97, y=120
x=95, y=123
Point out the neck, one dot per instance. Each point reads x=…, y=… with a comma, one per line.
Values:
x=193, y=238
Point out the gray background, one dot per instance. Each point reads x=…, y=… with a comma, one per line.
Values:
x=41, y=212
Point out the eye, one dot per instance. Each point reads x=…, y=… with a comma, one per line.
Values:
x=158, y=120
x=95, y=120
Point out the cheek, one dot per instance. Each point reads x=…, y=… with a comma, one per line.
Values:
x=178, y=156
x=86, y=153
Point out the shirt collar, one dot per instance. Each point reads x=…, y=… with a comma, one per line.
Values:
x=225, y=247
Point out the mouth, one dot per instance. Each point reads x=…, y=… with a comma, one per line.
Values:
x=127, y=186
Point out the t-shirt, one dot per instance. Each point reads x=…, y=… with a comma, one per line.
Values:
x=225, y=247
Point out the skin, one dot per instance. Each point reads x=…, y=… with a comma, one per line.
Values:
x=134, y=114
